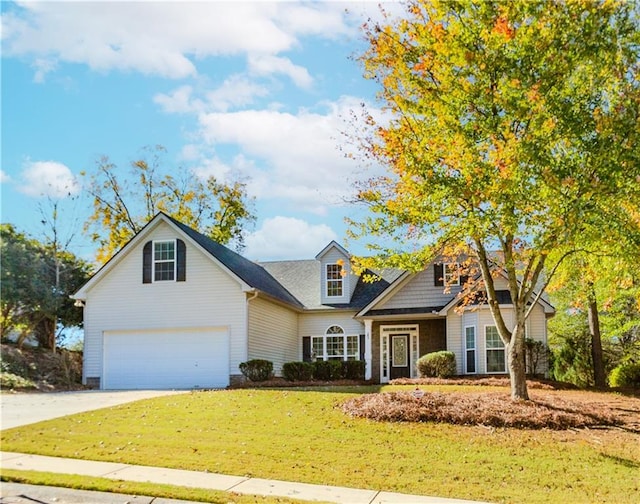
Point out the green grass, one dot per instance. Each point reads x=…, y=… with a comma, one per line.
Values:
x=135, y=488
x=300, y=435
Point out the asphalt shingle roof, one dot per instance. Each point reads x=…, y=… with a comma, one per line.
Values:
x=251, y=273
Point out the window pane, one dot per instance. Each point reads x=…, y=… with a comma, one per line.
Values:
x=451, y=274
x=164, y=251
x=335, y=346
x=471, y=361
x=470, y=334
x=164, y=271
x=495, y=361
x=493, y=338
x=352, y=346
x=316, y=348
x=334, y=272
x=334, y=280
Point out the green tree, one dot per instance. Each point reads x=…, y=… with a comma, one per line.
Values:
x=37, y=280
x=509, y=127
x=124, y=202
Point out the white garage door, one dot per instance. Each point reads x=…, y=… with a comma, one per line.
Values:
x=179, y=358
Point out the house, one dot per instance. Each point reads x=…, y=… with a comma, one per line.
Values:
x=174, y=309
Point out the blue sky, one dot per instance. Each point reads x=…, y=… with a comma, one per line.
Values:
x=261, y=90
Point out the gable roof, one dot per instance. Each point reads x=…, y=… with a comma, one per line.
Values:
x=336, y=245
x=246, y=271
x=303, y=279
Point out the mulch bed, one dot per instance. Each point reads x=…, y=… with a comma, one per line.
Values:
x=494, y=409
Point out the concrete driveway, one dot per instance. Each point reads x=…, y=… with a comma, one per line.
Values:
x=26, y=408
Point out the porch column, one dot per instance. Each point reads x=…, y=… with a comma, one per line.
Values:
x=368, y=324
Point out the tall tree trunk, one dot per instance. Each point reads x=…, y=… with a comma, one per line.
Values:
x=517, y=370
x=599, y=377
x=516, y=364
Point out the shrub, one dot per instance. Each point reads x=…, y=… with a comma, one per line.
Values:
x=297, y=371
x=625, y=375
x=437, y=364
x=257, y=369
x=327, y=370
x=353, y=369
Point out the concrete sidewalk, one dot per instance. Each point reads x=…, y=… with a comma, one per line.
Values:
x=195, y=479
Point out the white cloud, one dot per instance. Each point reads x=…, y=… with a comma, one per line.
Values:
x=161, y=38
x=270, y=65
x=236, y=91
x=302, y=163
x=287, y=238
x=179, y=101
x=48, y=178
x=4, y=177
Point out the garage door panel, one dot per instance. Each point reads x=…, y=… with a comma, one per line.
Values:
x=166, y=359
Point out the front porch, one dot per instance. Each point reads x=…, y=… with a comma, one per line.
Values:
x=396, y=345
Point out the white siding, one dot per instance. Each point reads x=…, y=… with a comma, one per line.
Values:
x=315, y=324
x=420, y=291
x=273, y=333
x=480, y=318
x=121, y=302
x=455, y=338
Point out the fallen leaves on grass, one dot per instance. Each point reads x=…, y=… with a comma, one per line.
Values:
x=487, y=381
x=490, y=409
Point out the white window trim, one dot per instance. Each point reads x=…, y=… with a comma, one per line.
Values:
x=154, y=261
x=475, y=349
x=345, y=336
x=486, y=359
x=445, y=275
x=385, y=341
x=327, y=280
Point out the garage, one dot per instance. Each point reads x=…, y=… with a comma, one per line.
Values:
x=166, y=359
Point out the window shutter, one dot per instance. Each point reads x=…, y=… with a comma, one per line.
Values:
x=181, y=254
x=362, y=347
x=463, y=280
x=438, y=274
x=147, y=252
x=306, y=348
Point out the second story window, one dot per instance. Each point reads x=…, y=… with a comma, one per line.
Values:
x=451, y=274
x=334, y=280
x=164, y=260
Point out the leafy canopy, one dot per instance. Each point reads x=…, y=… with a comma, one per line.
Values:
x=37, y=281
x=512, y=128
x=124, y=202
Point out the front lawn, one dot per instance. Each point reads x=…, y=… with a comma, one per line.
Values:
x=303, y=435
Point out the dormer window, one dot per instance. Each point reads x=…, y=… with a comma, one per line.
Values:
x=451, y=274
x=334, y=280
x=448, y=274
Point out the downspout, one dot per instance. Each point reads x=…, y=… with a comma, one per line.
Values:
x=254, y=294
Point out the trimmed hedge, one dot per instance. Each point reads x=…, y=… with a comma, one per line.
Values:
x=354, y=369
x=437, y=364
x=324, y=370
x=257, y=369
x=625, y=375
x=327, y=370
x=297, y=371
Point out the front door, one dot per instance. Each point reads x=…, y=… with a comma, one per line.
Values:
x=399, y=356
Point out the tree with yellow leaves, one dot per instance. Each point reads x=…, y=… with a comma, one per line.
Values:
x=124, y=202
x=510, y=129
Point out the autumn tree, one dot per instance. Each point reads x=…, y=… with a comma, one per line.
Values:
x=124, y=201
x=508, y=128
